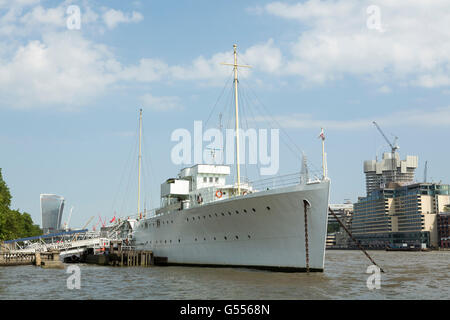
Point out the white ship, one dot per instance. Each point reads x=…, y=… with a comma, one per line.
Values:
x=203, y=221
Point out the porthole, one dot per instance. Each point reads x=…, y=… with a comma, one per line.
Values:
x=268, y=208
x=204, y=217
x=187, y=219
x=165, y=241
x=237, y=237
x=237, y=212
x=214, y=238
x=204, y=239
x=229, y=213
x=223, y=214
x=249, y=236
x=245, y=211
x=180, y=240
x=170, y=241
x=210, y=216
x=195, y=239
x=215, y=214
x=225, y=238
x=253, y=209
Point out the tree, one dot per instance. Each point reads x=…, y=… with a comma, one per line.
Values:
x=14, y=224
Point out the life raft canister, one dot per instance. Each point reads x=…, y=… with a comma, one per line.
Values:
x=219, y=194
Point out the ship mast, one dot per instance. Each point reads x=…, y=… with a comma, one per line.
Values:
x=139, y=162
x=235, y=68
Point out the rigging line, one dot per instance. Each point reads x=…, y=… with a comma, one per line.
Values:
x=230, y=111
x=273, y=118
x=250, y=110
x=267, y=119
x=125, y=202
x=212, y=110
x=132, y=168
x=241, y=120
x=127, y=163
x=148, y=163
x=297, y=154
x=217, y=101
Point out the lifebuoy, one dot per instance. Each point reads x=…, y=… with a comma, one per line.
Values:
x=219, y=194
x=244, y=193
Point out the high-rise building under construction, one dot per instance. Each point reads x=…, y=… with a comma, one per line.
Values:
x=390, y=169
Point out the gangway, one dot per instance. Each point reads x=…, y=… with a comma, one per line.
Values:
x=67, y=243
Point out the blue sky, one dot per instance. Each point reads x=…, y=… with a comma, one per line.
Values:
x=69, y=99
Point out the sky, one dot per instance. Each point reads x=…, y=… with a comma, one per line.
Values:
x=74, y=74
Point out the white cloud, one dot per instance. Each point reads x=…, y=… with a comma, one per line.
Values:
x=40, y=17
x=417, y=118
x=384, y=89
x=336, y=41
x=63, y=69
x=113, y=17
x=163, y=103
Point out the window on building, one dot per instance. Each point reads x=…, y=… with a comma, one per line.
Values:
x=210, y=179
x=205, y=179
x=217, y=179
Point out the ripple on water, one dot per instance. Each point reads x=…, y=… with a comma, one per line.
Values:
x=409, y=275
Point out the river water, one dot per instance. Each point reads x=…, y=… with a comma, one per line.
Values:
x=408, y=275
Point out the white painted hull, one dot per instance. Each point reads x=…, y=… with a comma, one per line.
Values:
x=260, y=237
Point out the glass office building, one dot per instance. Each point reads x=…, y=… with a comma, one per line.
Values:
x=52, y=207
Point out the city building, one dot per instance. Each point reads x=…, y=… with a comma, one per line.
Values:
x=331, y=240
x=337, y=237
x=400, y=214
x=390, y=169
x=443, y=224
x=52, y=207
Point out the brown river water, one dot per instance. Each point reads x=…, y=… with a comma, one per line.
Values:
x=408, y=275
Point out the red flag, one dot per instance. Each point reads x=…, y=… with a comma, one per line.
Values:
x=322, y=135
x=113, y=219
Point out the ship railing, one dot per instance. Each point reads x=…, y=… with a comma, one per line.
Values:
x=286, y=180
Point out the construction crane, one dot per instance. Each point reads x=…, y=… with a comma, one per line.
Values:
x=425, y=172
x=394, y=148
x=84, y=227
x=87, y=223
x=68, y=220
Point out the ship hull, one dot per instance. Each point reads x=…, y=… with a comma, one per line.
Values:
x=264, y=230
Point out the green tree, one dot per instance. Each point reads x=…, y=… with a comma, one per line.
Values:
x=14, y=224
